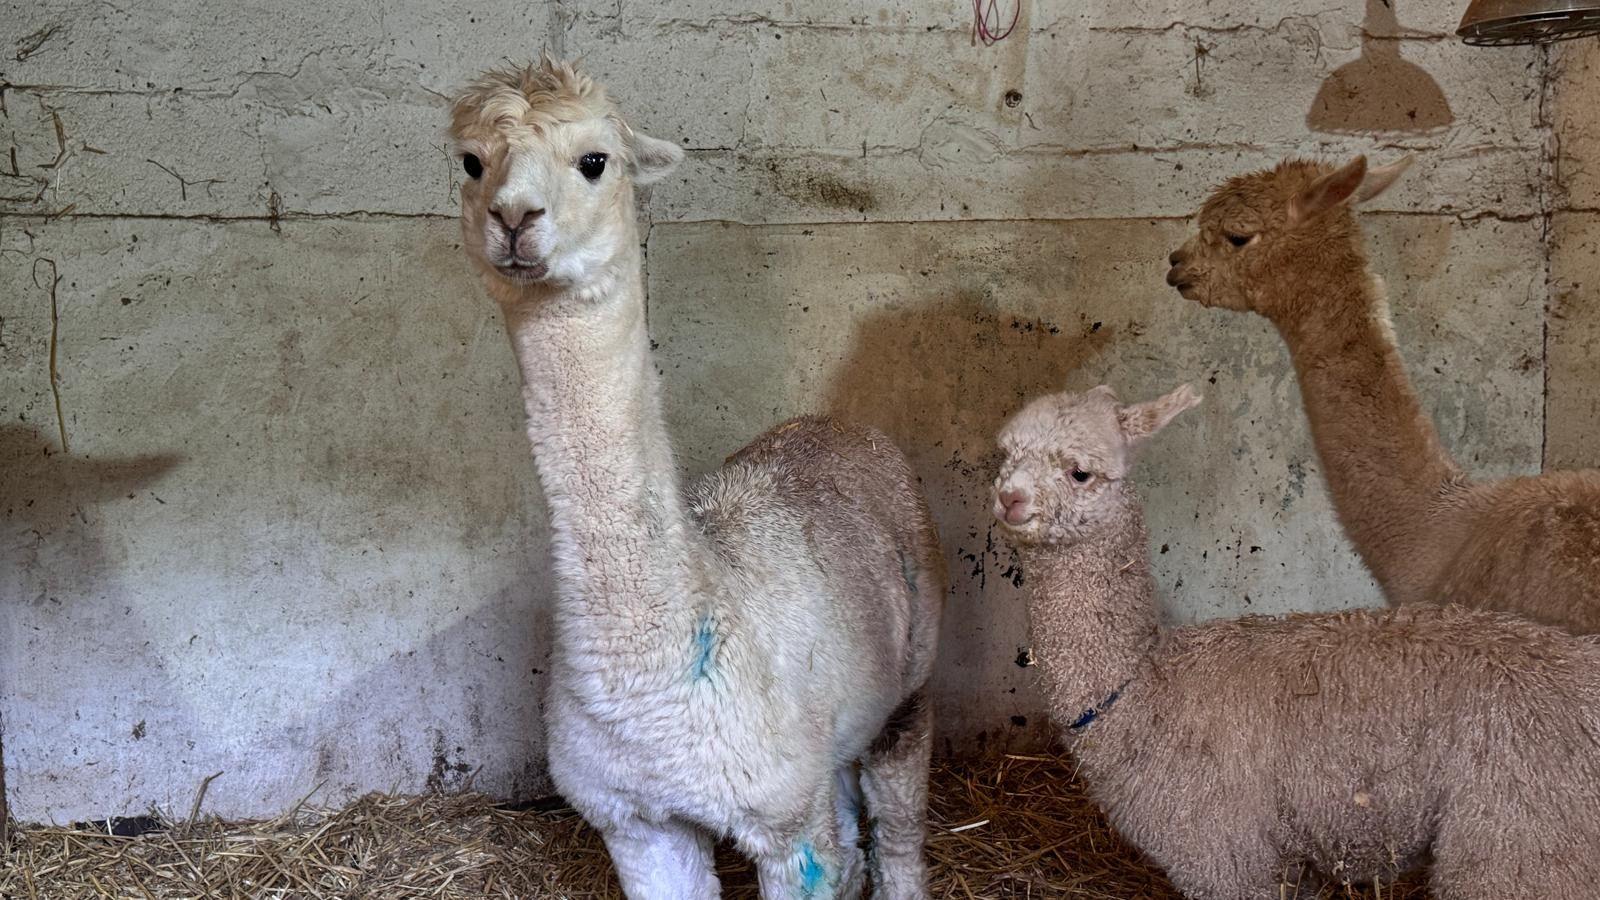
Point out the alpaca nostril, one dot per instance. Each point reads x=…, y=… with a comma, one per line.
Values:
x=515, y=219
x=1014, y=506
x=1175, y=257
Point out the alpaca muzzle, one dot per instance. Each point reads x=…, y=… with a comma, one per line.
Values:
x=1178, y=276
x=1013, y=507
x=522, y=270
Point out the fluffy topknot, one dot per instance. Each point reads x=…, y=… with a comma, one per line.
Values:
x=1266, y=188
x=536, y=95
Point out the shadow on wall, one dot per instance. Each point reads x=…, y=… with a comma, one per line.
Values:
x=940, y=377
x=1380, y=92
x=47, y=498
x=459, y=709
x=500, y=749
x=53, y=544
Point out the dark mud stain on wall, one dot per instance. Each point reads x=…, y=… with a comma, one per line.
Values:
x=804, y=185
x=324, y=769
x=448, y=775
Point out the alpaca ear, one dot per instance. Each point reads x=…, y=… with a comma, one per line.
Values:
x=1380, y=179
x=1141, y=420
x=653, y=158
x=1328, y=191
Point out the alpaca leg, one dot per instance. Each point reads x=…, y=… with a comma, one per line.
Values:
x=847, y=806
x=1222, y=854
x=811, y=866
x=1491, y=857
x=663, y=860
x=894, y=777
x=1232, y=873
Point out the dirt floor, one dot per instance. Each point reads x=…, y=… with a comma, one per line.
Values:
x=1007, y=826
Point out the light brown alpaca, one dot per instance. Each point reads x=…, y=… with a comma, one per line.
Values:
x=1354, y=745
x=1284, y=243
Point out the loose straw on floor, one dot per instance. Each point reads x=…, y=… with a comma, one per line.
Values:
x=1001, y=827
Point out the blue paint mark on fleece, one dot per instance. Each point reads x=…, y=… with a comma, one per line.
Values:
x=705, y=646
x=812, y=874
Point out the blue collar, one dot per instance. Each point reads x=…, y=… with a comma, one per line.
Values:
x=1095, y=712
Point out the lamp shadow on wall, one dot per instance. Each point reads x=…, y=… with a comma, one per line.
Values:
x=1379, y=93
x=48, y=498
x=56, y=549
x=940, y=376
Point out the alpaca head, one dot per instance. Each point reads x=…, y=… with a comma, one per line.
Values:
x=550, y=167
x=1065, y=459
x=1265, y=235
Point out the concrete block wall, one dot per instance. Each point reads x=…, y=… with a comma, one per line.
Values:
x=285, y=526
x=1573, y=358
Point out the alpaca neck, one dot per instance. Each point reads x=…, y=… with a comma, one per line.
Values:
x=1092, y=611
x=1381, y=455
x=621, y=541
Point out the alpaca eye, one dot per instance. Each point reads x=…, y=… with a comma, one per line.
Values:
x=1080, y=476
x=472, y=164
x=591, y=165
x=1238, y=240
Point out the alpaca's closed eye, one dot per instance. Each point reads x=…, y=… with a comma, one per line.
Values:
x=472, y=164
x=592, y=165
x=1080, y=476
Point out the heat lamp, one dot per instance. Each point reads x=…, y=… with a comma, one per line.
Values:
x=1500, y=23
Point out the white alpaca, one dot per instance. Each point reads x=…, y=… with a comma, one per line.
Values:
x=722, y=660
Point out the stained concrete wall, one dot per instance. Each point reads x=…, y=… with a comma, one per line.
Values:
x=1574, y=320
x=284, y=525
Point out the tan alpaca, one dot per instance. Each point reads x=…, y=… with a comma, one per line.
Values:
x=1357, y=745
x=725, y=652
x=1284, y=243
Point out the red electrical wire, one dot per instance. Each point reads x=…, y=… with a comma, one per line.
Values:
x=986, y=21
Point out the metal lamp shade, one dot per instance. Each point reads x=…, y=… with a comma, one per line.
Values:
x=1495, y=23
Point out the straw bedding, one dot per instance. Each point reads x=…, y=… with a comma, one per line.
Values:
x=1006, y=826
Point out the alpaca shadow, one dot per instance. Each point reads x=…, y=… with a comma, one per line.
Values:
x=1380, y=92
x=461, y=710
x=48, y=499
x=940, y=376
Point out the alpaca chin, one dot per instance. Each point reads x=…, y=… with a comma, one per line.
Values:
x=523, y=273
